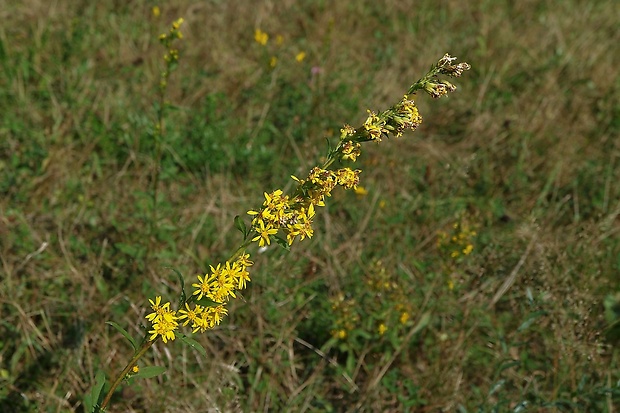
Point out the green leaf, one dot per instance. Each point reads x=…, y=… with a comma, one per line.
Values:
x=124, y=333
x=192, y=343
x=509, y=364
x=148, y=372
x=88, y=403
x=131, y=250
x=240, y=225
x=424, y=320
x=205, y=302
x=91, y=400
x=182, y=282
x=533, y=317
x=281, y=242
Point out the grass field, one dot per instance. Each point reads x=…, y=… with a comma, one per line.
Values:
x=520, y=168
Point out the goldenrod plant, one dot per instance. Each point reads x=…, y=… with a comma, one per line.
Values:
x=283, y=218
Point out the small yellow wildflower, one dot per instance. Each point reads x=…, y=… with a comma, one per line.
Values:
x=218, y=313
x=263, y=234
x=243, y=276
x=382, y=329
x=300, y=57
x=404, y=317
x=346, y=131
x=164, y=326
x=341, y=334
x=135, y=369
x=361, y=191
x=203, y=286
x=156, y=11
x=273, y=61
x=468, y=249
x=351, y=150
x=261, y=37
x=189, y=314
x=158, y=309
x=177, y=23
x=244, y=260
x=224, y=284
x=375, y=126
x=348, y=178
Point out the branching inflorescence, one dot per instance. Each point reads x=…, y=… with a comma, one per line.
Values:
x=285, y=218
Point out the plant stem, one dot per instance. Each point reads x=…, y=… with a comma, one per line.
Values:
x=139, y=353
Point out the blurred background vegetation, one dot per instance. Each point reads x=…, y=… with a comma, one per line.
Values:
x=494, y=226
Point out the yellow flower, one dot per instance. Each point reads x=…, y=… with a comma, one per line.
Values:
x=263, y=234
x=164, y=326
x=261, y=37
x=340, y=334
x=159, y=310
x=404, y=317
x=189, y=314
x=361, y=191
x=273, y=61
x=135, y=369
x=203, y=287
x=382, y=329
x=300, y=56
x=468, y=249
x=156, y=11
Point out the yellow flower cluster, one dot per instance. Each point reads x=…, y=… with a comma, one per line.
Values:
x=385, y=302
x=403, y=115
x=375, y=127
x=217, y=286
x=348, y=313
x=455, y=245
x=262, y=38
x=172, y=55
x=294, y=214
x=460, y=242
x=173, y=33
x=164, y=320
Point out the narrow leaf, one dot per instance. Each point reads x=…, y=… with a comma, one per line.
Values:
x=240, y=225
x=205, y=302
x=281, y=242
x=533, y=317
x=148, y=372
x=124, y=333
x=95, y=392
x=89, y=406
x=182, y=282
x=193, y=344
x=496, y=387
x=424, y=320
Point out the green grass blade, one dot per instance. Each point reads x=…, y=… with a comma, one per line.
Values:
x=125, y=334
